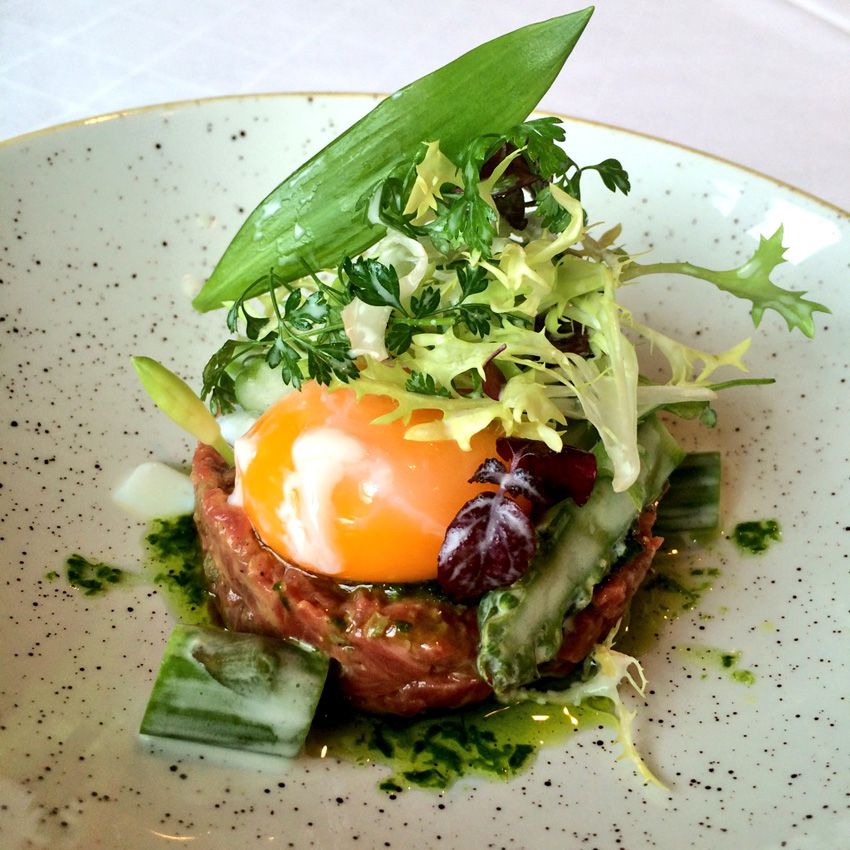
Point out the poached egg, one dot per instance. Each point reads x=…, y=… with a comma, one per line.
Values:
x=328, y=489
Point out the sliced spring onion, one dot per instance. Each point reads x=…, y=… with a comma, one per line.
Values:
x=239, y=691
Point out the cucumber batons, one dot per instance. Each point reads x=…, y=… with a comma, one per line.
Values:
x=237, y=691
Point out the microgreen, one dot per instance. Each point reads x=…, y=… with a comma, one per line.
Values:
x=567, y=474
x=491, y=541
x=489, y=544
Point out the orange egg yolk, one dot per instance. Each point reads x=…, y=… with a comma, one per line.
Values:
x=327, y=489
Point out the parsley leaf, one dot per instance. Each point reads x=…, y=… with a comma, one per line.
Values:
x=478, y=318
x=217, y=383
x=419, y=382
x=552, y=215
x=425, y=303
x=399, y=337
x=539, y=138
x=304, y=339
x=472, y=280
x=613, y=175
x=372, y=282
x=463, y=220
x=394, y=194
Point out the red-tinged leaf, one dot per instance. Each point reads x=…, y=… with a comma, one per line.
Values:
x=489, y=544
x=494, y=380
x=567, y=474
x=516, y=480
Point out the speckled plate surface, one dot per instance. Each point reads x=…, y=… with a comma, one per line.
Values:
x=108, y=226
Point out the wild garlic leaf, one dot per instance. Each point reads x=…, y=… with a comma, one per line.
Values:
x=320, y=212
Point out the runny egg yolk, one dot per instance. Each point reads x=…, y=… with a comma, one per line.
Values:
x=327, y=489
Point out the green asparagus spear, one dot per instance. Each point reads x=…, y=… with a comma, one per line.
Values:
x=176, y=399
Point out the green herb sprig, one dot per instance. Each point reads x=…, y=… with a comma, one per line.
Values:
x=377, y=284
x=464, y=219
x=304, y=338
x=301, y=332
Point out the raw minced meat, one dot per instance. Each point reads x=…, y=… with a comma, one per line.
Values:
x=396, y=649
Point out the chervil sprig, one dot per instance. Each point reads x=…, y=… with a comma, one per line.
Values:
x=303, y=338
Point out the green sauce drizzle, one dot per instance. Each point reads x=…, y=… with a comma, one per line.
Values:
x=718, y=659
x=672, y=589
x=756, y=536
x=434, y=751
x=175, y=564
x=91, y=577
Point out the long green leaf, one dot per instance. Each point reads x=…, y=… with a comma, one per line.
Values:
x=319, y=213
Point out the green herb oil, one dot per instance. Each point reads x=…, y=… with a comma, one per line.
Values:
x=756, y=536
x=489, y=740
x=719, y=660
x=91, y=577
x=672, y=589
x=175, y=564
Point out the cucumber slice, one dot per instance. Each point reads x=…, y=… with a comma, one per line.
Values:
x=521, y=625
x=693, y=501
x=257, y=387
x=239, y=691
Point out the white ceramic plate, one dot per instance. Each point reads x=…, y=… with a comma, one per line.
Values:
x=108, y=226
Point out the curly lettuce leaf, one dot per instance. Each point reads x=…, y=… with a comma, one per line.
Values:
x=750, y=281
x=685, y=361
x=612, y=669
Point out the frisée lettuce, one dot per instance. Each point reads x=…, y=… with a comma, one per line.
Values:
x=426, y=314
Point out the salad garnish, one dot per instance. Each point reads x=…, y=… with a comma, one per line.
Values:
x=439, y=321
x=491, y=541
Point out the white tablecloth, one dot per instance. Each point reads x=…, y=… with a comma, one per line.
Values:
x=765, y=83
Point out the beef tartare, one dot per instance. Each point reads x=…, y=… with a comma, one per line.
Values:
x=397, y=649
